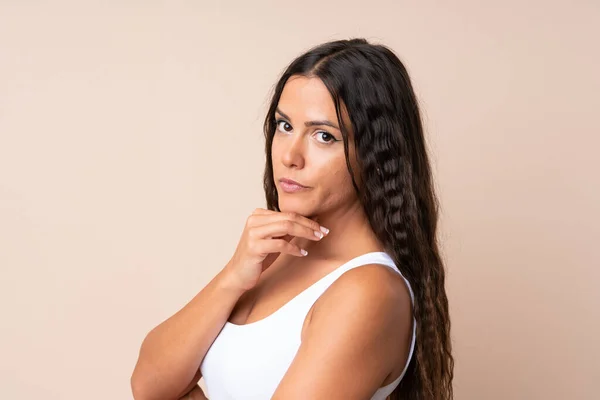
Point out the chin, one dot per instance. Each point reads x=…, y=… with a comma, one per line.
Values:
x=298, y=206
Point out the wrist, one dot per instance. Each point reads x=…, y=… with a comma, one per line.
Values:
x=226, y=281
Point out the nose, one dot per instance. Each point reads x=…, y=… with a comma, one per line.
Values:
x=293, y=152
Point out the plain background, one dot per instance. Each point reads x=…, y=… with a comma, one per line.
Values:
x=131, y=153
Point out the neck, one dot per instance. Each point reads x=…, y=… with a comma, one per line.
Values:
x=350, y=234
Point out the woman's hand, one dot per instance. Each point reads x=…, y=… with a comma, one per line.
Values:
x=266, y=235
x=195, y=394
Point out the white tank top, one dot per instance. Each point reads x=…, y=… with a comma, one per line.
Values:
x=248, y=361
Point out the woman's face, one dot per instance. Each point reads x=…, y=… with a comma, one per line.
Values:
x=308, y=148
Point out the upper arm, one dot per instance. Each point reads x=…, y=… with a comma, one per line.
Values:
x=354, y=338
x=193, y=383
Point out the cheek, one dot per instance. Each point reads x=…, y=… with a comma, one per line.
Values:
x=337, y=184
x=274, y=147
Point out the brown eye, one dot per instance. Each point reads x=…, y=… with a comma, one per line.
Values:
x=283, y=126
x=326, y=137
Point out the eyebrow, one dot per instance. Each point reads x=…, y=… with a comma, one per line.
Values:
x=310, y=123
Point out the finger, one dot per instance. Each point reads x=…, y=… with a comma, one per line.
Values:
x=262, y=211
x=300, y=219
x=264, y=219
x=280, y=246
x=282, y=228
x=287, y=238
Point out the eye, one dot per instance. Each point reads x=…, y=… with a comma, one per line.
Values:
x=283, y=125
x=327, y=137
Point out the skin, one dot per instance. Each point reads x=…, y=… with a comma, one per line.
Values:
x=314, y=157
x=336, y=336
x=356, y=336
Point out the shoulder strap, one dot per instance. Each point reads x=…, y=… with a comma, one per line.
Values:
x=307, y=298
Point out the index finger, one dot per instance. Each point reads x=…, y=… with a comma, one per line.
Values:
x=301, y=219
x=262, y=211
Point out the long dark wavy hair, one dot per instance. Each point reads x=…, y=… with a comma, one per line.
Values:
x=396, y=190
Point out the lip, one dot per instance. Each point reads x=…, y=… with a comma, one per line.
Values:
x=291, y=186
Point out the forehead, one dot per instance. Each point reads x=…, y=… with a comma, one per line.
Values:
x=308, y=99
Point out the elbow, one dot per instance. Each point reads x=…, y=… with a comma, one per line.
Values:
x=143, y=388
x=140, y=387
x=141, y=380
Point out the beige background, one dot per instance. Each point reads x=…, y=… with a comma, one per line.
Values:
x=131, y=153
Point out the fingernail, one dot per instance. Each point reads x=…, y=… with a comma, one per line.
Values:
x=304, y=252
x=324, y=230
x=319, y=234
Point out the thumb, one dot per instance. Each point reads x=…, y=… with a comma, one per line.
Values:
x=273, y=256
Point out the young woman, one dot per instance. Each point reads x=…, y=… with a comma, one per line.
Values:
x=336, y=289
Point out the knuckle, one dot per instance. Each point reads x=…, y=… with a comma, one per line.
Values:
x=288, y=225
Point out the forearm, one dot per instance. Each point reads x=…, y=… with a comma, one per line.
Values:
x=172, y=352
x=195, y=394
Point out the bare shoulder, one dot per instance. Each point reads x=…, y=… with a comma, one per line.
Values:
x=374, y=292
x=363, y=319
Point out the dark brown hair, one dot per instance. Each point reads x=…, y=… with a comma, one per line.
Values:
x=397, y=187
